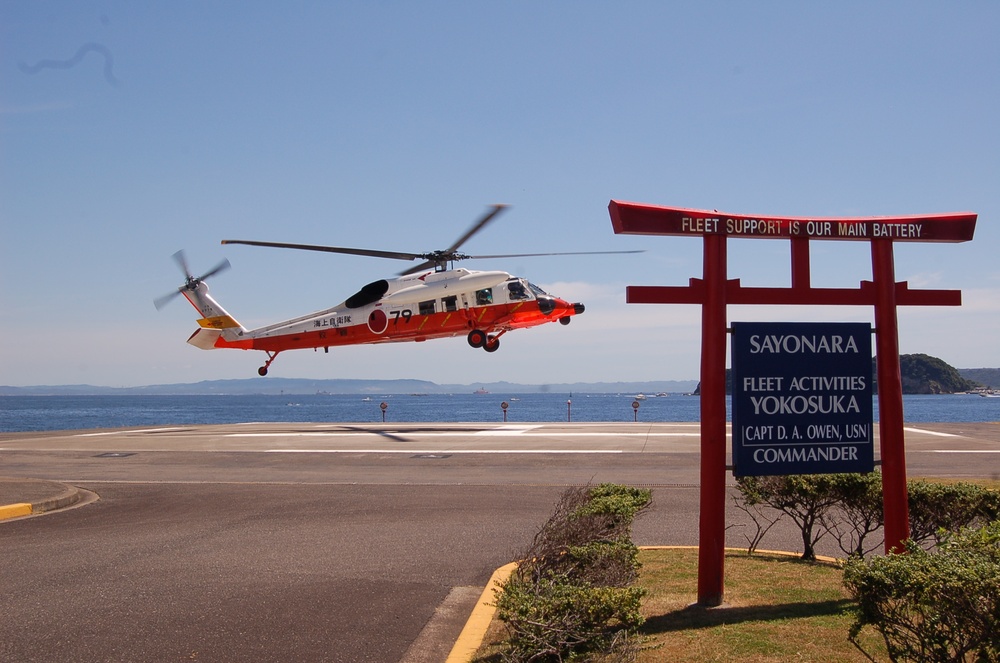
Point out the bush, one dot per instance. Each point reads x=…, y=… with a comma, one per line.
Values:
x=805, y=498
x=849, y=506
x=942, y=606
x=859, y=512
x=936, y=508
x=572, y=594
x=556, y=618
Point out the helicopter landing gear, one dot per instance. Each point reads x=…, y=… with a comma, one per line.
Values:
x=271, y=356
x=478, y=338
x=489, y=342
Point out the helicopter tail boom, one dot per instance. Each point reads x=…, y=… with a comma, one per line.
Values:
x=215, y=323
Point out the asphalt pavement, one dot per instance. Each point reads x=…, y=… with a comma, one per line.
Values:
x=323, y=541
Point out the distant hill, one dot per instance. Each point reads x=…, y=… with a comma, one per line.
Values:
x=988, y=377
x=923, y=374
x=275, y=385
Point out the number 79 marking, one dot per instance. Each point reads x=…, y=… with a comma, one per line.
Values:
x=406, y=314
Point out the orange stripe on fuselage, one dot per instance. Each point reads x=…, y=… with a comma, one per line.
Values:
x=491, y=319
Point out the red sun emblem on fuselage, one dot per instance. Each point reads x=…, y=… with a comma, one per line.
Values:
x=378, y=321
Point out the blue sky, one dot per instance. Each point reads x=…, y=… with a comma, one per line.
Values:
x=394, y=125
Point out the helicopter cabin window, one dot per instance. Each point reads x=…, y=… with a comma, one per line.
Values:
x=516, y=291
x=450, y=303
x=427, y=308
x=484, y=297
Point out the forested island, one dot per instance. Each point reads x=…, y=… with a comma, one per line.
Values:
x=923, y=374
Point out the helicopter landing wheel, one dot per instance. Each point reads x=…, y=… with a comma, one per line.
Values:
x=492, y=345
x=262, y=371
x=478, y=338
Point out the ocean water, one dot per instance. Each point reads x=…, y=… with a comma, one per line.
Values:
x=41, y=413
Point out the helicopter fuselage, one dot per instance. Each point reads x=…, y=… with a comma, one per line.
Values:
x=481, y=305
x=434, y=299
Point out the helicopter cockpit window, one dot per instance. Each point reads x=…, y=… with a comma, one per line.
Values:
x=535, y=289
x=516, y=290
x=450, y=303
x=484, y=297
x=369, y=294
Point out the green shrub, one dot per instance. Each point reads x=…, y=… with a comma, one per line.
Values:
x=806, y=498
x=858, y=514
x=933, y=606
x=572, y=594
x=849, y=506
x=553, y=619
x=937, y=508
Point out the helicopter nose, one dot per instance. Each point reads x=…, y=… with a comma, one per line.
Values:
x=546, y=305
x=578, y=308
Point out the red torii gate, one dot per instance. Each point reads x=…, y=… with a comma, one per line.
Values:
x=714, y=291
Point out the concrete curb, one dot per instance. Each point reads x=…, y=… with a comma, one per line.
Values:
x=20, y=510
x=60, y=497
x=474, y=632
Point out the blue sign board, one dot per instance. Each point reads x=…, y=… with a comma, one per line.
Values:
x=802, y=398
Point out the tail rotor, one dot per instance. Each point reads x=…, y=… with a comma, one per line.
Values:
x=190, y=282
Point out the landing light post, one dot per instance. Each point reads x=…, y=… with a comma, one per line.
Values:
x=715, y=292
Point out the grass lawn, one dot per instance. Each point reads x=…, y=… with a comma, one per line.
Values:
x=777, y=609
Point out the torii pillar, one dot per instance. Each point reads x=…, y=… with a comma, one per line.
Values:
x=714, y=292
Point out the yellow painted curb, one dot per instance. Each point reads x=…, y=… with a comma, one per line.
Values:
x=15, y=510
x=472, y=635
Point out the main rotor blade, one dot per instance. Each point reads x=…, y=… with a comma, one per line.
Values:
x=395, y=255
x=560, y=253
x=431, y=263
x=476, y=227
x=419, y=268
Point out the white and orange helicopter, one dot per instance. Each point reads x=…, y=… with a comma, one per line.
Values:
x=432, y=300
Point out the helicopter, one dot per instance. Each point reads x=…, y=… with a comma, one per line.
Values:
x=434, y=299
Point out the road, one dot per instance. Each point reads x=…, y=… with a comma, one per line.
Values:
x=328, y=542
